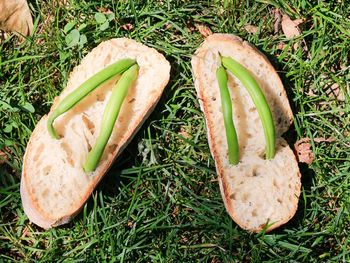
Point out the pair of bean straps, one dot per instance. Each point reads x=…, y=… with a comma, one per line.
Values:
x=129, y=70
x=255, y=92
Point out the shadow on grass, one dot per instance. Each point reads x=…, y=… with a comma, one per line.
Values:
x=307, y=174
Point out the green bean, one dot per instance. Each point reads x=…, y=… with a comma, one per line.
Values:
x=84, y=89
x=226, y=104
x=259, y=100
x=110, y=116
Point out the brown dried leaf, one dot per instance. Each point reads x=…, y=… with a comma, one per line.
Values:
x=3, y=157
x=336, y=92
x=278, y=19
x=204, y=30
x=303, y=150
x=168, y=26
x=62, y=2
x=281, y=46
x=184, y=240
x=127, y=26
x=104, y=10
x=191, y=27
x=299, y=21
x=311, y=93
x=184, y=133
x=322, y=139
x=15, y=16
x=251, y=29
x=289, y=27
x=25, y=232
x=175, y=211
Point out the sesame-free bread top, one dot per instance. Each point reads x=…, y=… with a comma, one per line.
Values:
x=54, y=185
x=256, y=192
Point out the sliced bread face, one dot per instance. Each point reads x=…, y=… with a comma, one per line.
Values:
x=256, y=192
x=54, y=185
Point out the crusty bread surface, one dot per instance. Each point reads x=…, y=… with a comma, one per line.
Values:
x=54, y=186
x=257, y=193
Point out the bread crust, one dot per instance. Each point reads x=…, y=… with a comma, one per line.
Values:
x=36, y=212
x=203, y=59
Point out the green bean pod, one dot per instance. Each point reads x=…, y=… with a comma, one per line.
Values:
x=226, y=104
x=110, y=116
x=259, y=100
x=84, y=89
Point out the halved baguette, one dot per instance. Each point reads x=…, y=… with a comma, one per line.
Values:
x=54, y=186
x=256, y=192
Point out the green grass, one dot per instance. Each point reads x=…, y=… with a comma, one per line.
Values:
x=161, y=201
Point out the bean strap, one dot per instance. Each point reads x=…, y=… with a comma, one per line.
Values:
x=110, y=116
x=226, y=104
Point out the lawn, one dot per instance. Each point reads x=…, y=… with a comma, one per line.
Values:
x=161, y=201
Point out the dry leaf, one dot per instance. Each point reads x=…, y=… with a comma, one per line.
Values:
x=168, y=26
x=127, y=26
x=278, y=19
x=251, y=29
x=104, y=10
x=303, y=150
x=311, y=93
x=280, y=46
x=289, y=27
x=175, y=211
x=297, y=22
x=15, y=16
x=191, y=27
x=336, y=92
x=184, y=240
x=184, y=133
x=322, y=139
x=25, y=232
x=3, y=157
x=63, y=2
x=204, y=30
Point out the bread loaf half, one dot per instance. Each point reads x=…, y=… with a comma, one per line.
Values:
x=54, y=186
x=257, y=192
